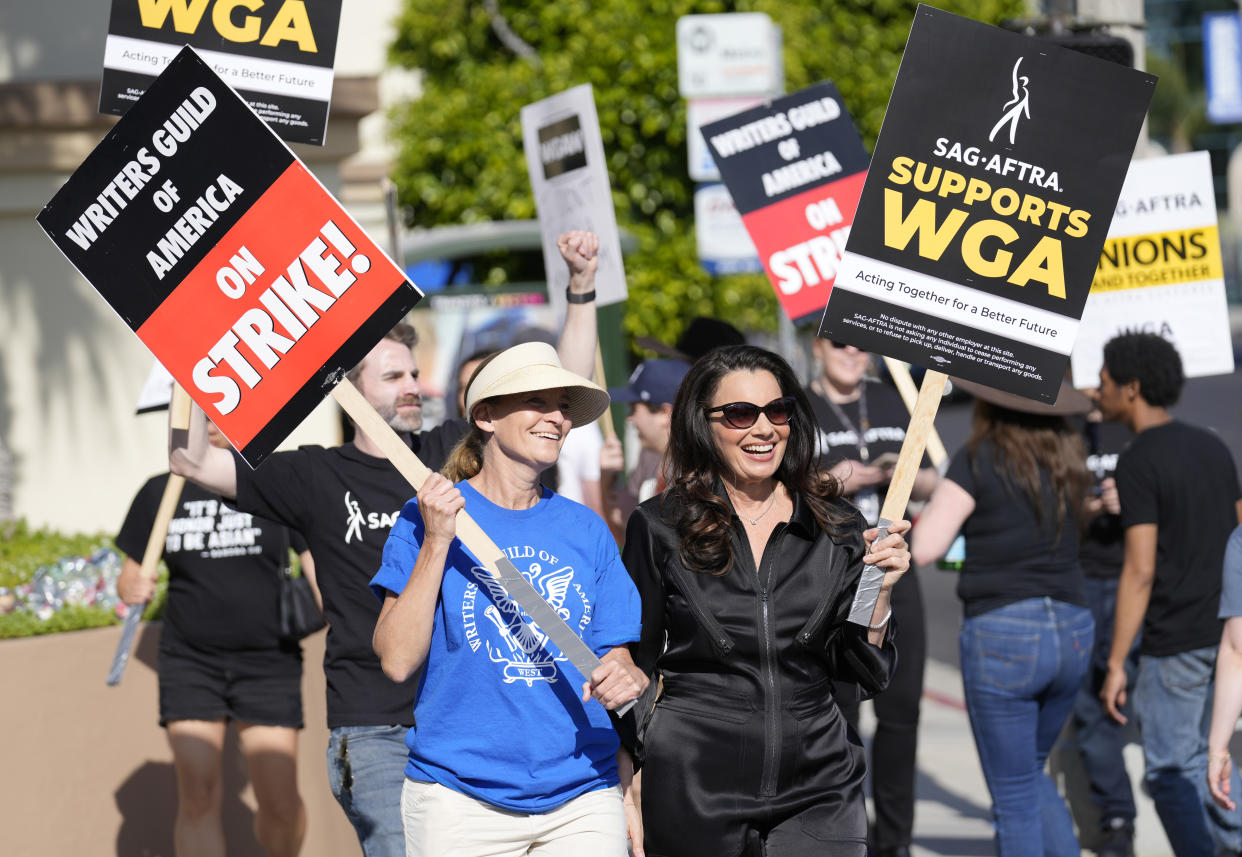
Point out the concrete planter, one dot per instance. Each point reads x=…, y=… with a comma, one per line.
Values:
x=87, y=770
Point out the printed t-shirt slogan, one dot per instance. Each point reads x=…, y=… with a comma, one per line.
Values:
x=1161, y=270
x=277, y=54
x=794, y=168
x=988, y=200
x=217, y=246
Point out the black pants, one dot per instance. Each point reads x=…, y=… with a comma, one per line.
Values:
x=706, y=754
x=895, y=745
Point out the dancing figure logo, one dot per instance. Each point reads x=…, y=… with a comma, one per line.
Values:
x=1015, y=108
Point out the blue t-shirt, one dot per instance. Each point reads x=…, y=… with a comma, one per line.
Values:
x=499, y=714
x=1231, y=579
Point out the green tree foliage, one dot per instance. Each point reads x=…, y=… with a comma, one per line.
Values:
x=1178, y=110
x=461, y=160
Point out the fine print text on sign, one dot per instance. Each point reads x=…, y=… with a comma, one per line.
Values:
x=795, y=168
x=1161, y=270
x=239, y=271
x=982, y=218
x=277, y=54
x=565, y=160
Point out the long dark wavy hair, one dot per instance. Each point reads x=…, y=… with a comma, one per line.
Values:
x=701, y=516
x=1028, y=444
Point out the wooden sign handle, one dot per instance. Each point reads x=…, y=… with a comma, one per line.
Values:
x=911, y=456
x=178, y=418
x=900, y=373
x=605, y=419
x=870, y=582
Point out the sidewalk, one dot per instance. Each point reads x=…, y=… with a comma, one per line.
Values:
x=952, y=817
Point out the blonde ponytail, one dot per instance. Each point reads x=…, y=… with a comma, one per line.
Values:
x=466, y=459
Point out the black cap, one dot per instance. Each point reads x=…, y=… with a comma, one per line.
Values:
x=700, y=336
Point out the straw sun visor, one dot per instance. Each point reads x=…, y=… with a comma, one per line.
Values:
x=535, y=366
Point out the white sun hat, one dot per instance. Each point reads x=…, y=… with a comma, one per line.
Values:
x=535, y=366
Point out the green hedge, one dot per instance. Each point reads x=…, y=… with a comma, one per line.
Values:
x=24, y=550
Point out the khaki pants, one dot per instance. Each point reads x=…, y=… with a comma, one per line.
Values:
x=440, y=822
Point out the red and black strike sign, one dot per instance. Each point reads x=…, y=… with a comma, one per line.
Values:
x=240, y=272
x=794, y=168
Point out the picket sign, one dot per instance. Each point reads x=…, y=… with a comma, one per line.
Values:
x=178, y=420
x=470, y=533
x=1032, y=128
x=568, y=172
x=900, y=373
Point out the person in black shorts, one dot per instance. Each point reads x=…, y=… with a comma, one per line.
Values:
x=222, y=658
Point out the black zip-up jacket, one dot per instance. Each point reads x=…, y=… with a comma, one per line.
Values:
x=746, y=726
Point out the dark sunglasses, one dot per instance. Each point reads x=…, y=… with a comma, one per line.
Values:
x=743, y=415
x=838, y=344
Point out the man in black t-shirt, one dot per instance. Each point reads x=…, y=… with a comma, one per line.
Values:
x=345, y=500
x=1179, y=495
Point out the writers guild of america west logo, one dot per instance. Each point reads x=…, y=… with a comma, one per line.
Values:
x=1015, y=108
x=521, y=644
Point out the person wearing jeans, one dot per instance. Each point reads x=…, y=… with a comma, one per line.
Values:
x=1179, y=494
x=1015, y=491
x=1022, y=665
x=362, y=777
x=1173, y=697
x=1100, y=738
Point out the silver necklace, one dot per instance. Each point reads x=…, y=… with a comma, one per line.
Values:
x=755, y=520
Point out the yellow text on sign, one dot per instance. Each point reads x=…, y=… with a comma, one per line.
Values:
x=1159, y=259
x=232, y=21
x=984, y=243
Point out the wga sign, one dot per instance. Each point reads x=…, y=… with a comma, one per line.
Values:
x=1015, y=108
x=561, y=147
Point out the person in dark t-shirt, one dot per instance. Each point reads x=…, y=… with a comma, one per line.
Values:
x=222, y=658
x=1100, y=739
x=862, y=425
x=1179, y=494
x=1015, y=490
x=345, y=499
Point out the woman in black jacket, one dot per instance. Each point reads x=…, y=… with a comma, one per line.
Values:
x=748, y=566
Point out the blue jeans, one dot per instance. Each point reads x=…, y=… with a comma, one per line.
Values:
x=1173, y=699
x=1022, y=665
x=1100, y=737
x=366, y=770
